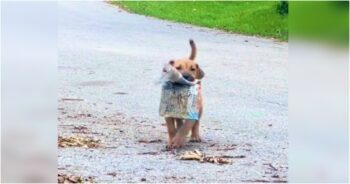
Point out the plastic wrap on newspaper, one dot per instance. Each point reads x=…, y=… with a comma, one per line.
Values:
x=179, y=101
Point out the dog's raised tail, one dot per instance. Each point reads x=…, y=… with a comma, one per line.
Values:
x=193, y=50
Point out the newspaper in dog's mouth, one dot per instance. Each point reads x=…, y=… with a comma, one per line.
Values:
x=170, y=74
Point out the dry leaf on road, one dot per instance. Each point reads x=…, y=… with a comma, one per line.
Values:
x=197, y=155
x=63, y=178
x=78, y=142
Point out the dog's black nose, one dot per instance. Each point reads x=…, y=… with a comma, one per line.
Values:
x=188, y=77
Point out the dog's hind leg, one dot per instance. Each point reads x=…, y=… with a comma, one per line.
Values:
x=179, y=123
x=195, y=136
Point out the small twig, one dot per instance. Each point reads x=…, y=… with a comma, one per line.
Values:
x=149, y=153
x=228, y=156
x=272, y=167
x=225, y=149
x=151, y=141
x=72, y=99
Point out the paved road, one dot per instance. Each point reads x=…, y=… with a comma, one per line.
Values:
x=110, y=59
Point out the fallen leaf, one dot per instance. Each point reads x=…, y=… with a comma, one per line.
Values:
x=192, y=155
x=63, y=178
x=78, y=142
x=74, y=179
x=217, y=160
x=197, y=155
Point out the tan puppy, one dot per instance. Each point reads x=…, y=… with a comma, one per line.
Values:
x=178, y=129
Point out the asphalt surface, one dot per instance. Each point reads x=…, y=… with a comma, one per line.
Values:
x=109, y=61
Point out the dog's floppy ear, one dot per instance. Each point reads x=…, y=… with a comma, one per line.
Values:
x=200, y=73
x=171, y=62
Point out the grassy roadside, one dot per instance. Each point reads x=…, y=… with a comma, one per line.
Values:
x=249, y=18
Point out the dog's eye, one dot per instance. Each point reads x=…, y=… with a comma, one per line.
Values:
x=178, y=68
x=193, y=69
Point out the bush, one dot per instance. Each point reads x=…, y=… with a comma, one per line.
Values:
x=282, y=7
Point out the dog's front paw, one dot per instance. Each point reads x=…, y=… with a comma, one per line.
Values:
x=195, y=138
x=169, y=146
x=177, y=141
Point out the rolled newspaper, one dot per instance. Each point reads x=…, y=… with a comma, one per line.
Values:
x=170, y=74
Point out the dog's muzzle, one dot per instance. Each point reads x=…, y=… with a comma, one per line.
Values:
x=188, y=77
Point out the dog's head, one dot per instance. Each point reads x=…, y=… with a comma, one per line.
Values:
x=189, y=69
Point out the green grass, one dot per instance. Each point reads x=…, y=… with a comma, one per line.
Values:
x=249, y=18
x=327, y=23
